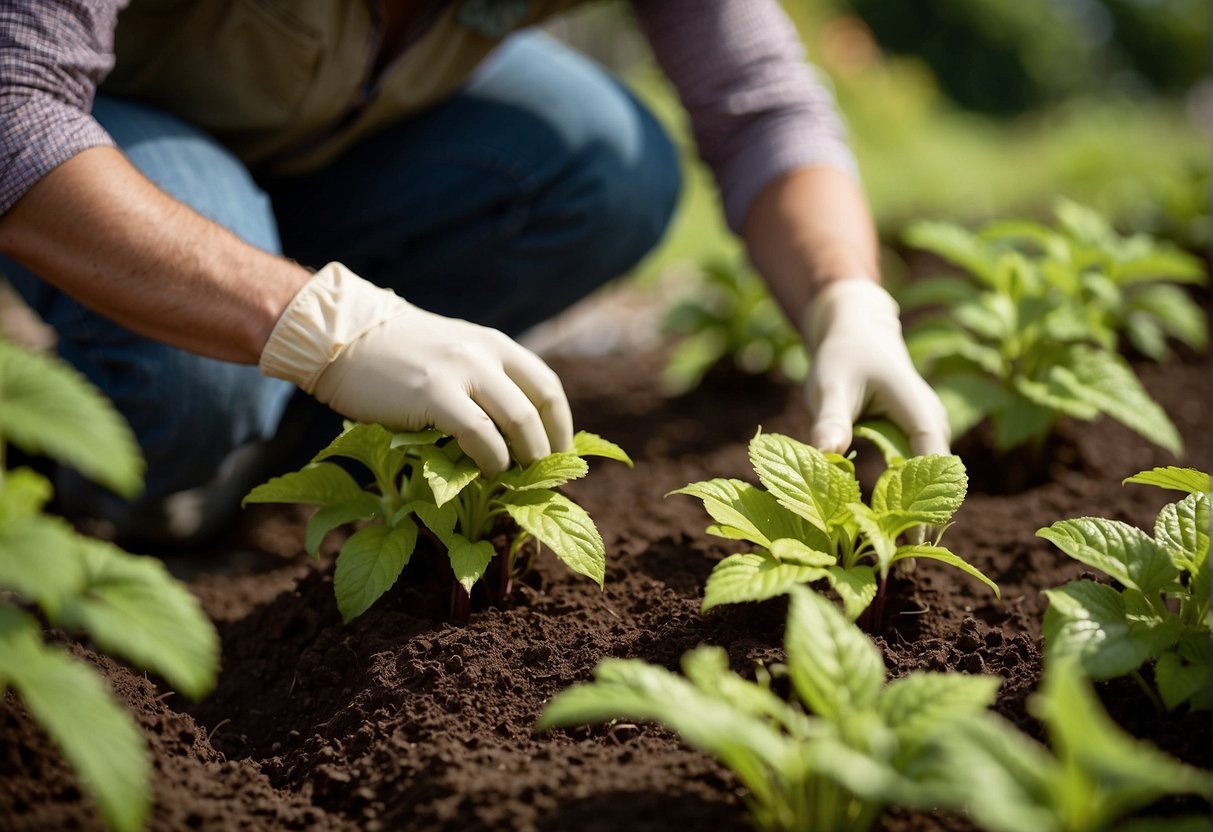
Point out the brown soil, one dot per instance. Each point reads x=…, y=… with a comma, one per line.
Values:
x=405, y=721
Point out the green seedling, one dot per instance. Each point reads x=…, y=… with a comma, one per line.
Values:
x=1031, y=333
x=850, y=745
x=128, y=606
x=423, y=481
x=730, y=315
x=808, y=522
x=1095, y=776
x=1160, y=607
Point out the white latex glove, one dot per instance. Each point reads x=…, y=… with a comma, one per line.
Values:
x=374, y=357
x=860, y=366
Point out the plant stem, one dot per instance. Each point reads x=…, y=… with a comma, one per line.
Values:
x=1149, y=692
x=461, y=602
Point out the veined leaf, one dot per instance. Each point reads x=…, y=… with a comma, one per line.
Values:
x=591, y=444
x=835, y=669
x=1177, y=479
x=76, y=709
x=1182, y=678
x=548, y=472
x=561, y=525
x=39, y=559
x=370, y=444
x=446, y=477
x=1121, y=551
x=469, y=560
x=923, y=704
x=874, y=531
x=754, y=577
x=856, y=587
x=939, y=553
x=707, y=668
x=802, y=479
x=791, y=550
x=754, y=513
x=369, y=564
x=928, y=488
x=1051, y=394
x=132, y=607
x=365, y=506
x=439, y=520
x=321, y=483
x=46, y=407
x=1182, y=528
x=1087, y=621
x=892, y=441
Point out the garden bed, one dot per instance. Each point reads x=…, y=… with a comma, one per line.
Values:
x=404, y=720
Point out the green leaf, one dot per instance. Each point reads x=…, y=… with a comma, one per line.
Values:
x=23, y=492
x=132, y=607
x=934, y=291
x=1161, y=264
x=548, y=472
x=76, y=709
x=834, y=668
x=791, y=550
x=1088, y=621
x=370, y=444
x=922, y=704
x=802, y=479
x=46, y=407
x=1019, y=420
x=591, y=444
x=691, y=359
x=968, y=399
x=955, y=244
x=928, y=489
x=469, y=560
x=1182, y=529
x=754, y=577
x=756, y=514
x=875, y=533
x=446, y=477
x=39, y=559
x=561, y=525
x=321, y=483
x=1176, y=479
x=369, y=564
x=365, y=506
x=1117, y=549
x=411, y=439
x=939, y=553
x=855, y=586
x=707, y=668
x=1173, y=311
x=1105, y=380
x=1180, y=680
x=440, y=521
x=892, y=441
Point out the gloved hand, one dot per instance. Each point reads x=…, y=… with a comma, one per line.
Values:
x=860, y=366
x=374, y=357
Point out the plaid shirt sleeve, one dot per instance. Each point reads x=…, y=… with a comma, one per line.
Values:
x=53, y=53
x=757, y=108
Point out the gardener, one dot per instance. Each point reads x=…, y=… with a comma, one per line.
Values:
x=166, y=223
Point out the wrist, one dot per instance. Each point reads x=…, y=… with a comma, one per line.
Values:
x=858, y=299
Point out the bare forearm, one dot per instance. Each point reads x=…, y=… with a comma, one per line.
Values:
x=101, y=232
x=806, y=229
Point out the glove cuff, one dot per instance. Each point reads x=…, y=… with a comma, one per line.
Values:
x=857, y=298
x=332, y=310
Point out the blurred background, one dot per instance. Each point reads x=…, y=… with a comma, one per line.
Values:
x=967, y=110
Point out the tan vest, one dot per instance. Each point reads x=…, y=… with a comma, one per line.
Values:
x=286, y=84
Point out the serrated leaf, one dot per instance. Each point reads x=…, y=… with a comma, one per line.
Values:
x=802, y=479
x=939, y=553
x=928, y=488
x=834, y=668
x=1174, y=478
x=549, y=472
x=446, y=477
x=856, y=587
x=892, y=441
x=132, y=607
x=76, y=709
x=754, y=513
x=1179, y=681
x=591, y=444
x=791, y=550
x=321, y=483
x=874, y=532
x=756, y=576
x=561, y=525
x=370, y=444
x=365, y=506
x=923, y=704
x=1087, y=621
x=469, y=560
x=1105, y=380
x=369, y=564
x=1117, y=549
x=439, y=520
x=39, y=559
x=1182, y=528
x=46, y=407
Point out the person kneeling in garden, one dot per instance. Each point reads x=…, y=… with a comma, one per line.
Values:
x=230, y=212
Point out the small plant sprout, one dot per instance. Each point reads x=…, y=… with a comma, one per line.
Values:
x=128, y=606
x=1031, y=333
x=808, y=522
x=1095, y=776
x=424, y=483
x=1160, y=607
x=730, y=315
x=851, y=744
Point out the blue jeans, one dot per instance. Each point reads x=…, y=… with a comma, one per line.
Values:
x=539, y=181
